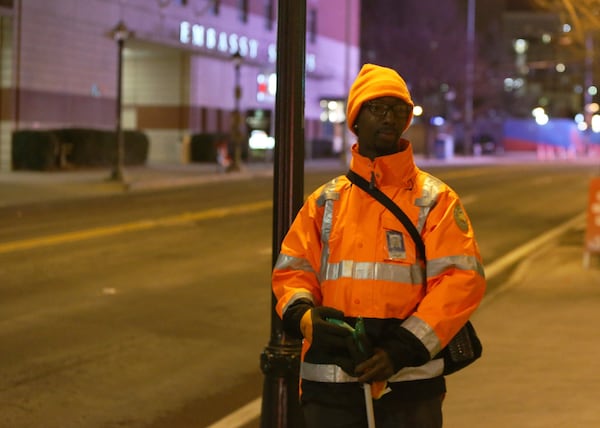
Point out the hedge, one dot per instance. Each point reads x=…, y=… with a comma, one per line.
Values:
x=74, y=147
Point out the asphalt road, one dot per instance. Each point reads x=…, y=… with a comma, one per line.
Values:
x=151, y=309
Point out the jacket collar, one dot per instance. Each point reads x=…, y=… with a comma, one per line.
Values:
x=398, y=169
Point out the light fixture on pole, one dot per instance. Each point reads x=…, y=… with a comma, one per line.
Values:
x=236, y=136
x=120, y=34
x=469, y=78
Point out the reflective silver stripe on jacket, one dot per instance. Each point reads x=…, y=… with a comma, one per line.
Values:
x=431, y=190
x=424, y=333
x=408, y=274
x=293, y=263
x=462, y=262
x=334, y=374
x=326, y=198
x=297, y=296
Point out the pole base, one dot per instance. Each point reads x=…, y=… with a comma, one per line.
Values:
x=234, y=167
x=281, y=401
x=117, y=175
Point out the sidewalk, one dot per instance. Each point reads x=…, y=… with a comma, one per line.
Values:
x=540, y=366
x=18, y=187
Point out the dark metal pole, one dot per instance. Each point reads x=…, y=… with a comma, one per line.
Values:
x=117, y=172
x=120, y=34
x=280, y=361
x=347, y=34
x=470, y=75
x=588, y=82
x=236, y=136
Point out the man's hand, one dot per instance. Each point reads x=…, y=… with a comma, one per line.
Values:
x=321, y=333
x=377, y=368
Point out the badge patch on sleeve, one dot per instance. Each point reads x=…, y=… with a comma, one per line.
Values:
x=461, y=218
x=395, y=244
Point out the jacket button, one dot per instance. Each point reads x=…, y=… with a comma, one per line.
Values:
x=356, y=302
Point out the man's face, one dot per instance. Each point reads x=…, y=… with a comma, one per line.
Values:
x=381, y=122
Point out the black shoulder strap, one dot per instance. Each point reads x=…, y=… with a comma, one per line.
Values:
x=395, y=209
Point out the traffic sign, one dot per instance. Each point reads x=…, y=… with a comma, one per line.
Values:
x=592, y=234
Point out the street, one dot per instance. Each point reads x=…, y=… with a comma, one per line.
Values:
x=151, y=309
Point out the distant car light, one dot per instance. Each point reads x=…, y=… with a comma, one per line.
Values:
x=260, y=140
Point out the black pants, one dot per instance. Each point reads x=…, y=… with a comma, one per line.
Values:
x=388, y=414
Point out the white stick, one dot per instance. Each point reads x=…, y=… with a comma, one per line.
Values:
x=369, y=405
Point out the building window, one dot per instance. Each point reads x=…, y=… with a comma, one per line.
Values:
x=269, y=14
x=216, y=6
x=312, y=25
x=243, y=6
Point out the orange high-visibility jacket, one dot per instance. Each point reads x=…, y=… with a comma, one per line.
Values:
x=366, y=263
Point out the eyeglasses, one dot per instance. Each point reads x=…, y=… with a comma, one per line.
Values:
x=399, y=110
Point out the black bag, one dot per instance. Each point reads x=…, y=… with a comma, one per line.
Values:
x=465, y=347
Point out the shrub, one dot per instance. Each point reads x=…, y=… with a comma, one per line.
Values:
x=77, y=147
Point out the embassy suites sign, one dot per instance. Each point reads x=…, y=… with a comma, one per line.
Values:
x=220, y=41
x=211, y=39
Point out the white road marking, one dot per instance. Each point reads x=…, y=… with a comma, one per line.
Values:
x=241, y=416
x=519, y=253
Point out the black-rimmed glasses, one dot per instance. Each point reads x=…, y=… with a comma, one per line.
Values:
x=399, y=110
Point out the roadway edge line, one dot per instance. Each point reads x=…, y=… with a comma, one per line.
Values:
x=520, y=252
x=241, y=416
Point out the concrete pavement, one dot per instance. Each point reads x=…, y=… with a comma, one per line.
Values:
x=540, y=366
x=19, y=187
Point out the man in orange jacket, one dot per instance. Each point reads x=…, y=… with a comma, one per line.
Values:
x=347, y=257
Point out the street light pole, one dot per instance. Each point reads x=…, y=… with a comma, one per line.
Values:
x=345, y=153
x=120, y=34
x=280, y=360
x=588, y=82
x=236, y=136
x=469, y=78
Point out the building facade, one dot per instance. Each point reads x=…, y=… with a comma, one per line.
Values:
x=60, y=66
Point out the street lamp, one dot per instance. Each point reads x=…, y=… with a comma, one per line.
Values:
x=236, y=136
x=469, y=77
x=120, y=34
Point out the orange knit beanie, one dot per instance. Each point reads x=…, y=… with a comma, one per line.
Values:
x=374, y=81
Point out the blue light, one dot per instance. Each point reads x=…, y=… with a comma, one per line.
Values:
x=437, y=121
